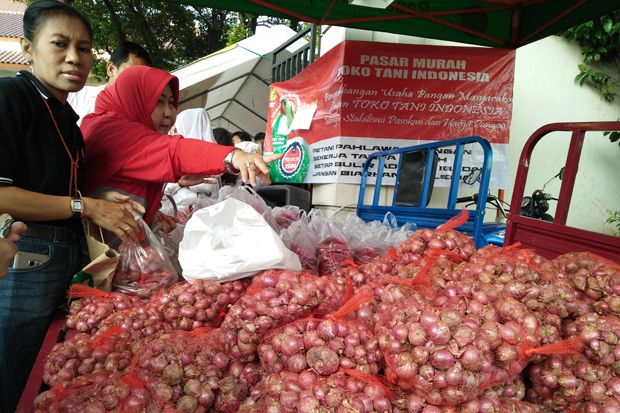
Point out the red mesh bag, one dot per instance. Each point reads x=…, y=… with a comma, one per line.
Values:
x=387, y=265
x=600, y=337
x=392, y=286
x=514, y=389
x=178, y=371
x=93, y=305
x=203, y=303
x=454, y=349
x=548, y=297
x=110, y=351
x=346, y=391
x=140, y=322
x=567, y=383
x=322, y=345
x=275, y=298
x=236, y=385
x=339, y=288
x=98, y=393
x=597, y=277
x=444, y=237
x=385, y=296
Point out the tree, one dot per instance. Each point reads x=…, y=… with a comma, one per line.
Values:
x=599, y=40
x=173, y=34
x=245, y=25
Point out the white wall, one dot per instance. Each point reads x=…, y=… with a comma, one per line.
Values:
x=544, y=92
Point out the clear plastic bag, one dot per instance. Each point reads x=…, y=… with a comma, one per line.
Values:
x=370, y=240
x=287, y=215
x=333, y=250
x=145, y=268
x=300, y=239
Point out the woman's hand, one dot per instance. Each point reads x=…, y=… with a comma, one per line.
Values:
x=113, y=216
x=125, y=200
x=191, y=180
x=164, y=223
x=252, y=165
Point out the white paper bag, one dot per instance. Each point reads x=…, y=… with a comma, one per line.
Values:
x=230, y=240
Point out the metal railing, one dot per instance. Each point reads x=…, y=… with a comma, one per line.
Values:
x=285, y=68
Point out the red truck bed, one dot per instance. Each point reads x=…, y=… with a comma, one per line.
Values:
x=551, y=239
x=34, y=385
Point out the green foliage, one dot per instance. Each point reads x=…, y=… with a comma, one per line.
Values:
x=613, y=136
x=613, y=218
x=173, y=34
x=245, y=24
x=237, y=32
x=602, y=82
x=599, y=40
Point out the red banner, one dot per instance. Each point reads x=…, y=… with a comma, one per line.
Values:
x=361, y=97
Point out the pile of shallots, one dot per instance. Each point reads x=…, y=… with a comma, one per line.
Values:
x=430, y=326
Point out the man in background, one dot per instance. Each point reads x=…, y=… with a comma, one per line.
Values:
x=125, y=55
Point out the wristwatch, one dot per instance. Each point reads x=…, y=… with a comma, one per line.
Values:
x=77, y=205
x=228, y=163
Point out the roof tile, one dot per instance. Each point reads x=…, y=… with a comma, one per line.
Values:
x=11, y=25
x=13, y=6
x=11, y=57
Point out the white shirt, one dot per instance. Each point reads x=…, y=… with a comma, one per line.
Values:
x=83, y=102
x=193, y=124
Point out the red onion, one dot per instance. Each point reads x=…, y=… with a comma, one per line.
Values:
x=442, y=359
x=440, y=334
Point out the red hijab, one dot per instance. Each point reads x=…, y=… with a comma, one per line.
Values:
x=122, y=121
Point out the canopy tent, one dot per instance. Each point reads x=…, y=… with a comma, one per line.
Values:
x=496, y=23
x=233, y=83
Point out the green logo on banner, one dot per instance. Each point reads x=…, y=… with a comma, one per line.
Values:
x=293, y=167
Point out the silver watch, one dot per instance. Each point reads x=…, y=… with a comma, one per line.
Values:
x=77, y=206
x=228, y=163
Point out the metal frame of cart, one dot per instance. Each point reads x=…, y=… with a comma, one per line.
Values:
x=422, y=216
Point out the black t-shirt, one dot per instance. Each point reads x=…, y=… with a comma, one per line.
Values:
x=32, y=155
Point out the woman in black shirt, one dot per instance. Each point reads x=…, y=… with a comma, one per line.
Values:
x=41, y=172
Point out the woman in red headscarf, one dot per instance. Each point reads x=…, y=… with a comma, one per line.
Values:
x=128, y=149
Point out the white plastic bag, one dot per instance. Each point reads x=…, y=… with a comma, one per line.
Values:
x=230, y=240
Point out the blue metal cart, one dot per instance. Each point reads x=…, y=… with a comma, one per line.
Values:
x=418, y=212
